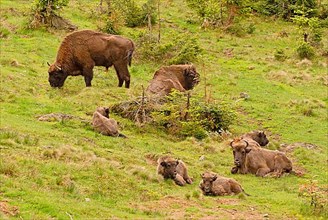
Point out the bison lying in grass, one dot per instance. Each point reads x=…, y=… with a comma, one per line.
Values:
x=250, y=158
x=179, y=77
x=105, y=125
x=82, y=50
x=215, y=185
x=171, y=168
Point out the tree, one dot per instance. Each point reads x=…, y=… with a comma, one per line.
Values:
x=45, y=13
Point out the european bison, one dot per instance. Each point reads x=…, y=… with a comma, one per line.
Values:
x=250, y=158
x=171, y=168
x=258, y=136
x=80, y=51
x=215, y=185
x=179, y=77
x=105, y=125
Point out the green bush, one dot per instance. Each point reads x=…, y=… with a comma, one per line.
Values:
x=182, y=49
x=305, y=50
x=196, y=120
x=280, y=55
x=134, y=14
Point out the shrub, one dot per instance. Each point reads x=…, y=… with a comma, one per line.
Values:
x=305, y=50
x=181, y=50
x=194, y=120
x=113, y=23
x=315, y=199
x=280, y=55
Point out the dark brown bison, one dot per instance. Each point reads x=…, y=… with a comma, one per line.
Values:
x=258, y=136
x=250, y=158
x=82, y=50
x=215, y=185
x=105, y=125
x=179, y=77
x=171, y=168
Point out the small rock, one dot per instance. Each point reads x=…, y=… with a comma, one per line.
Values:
x=87, y=199
x=244, y=95
x=266, y=215
x=202, y=158
x=251, y=67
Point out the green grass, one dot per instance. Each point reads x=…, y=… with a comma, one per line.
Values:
x=60, y=169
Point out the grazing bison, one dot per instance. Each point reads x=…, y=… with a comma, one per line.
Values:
x=179, y=77
x=250, y=158
x=82, y=50
x=171, y=168
x=258, y=136
x=215, y=185
x=105, y=125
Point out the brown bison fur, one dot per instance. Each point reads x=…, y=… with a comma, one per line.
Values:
x=215, y=185
x=258, y=136
x=103, y=124
x=250, y=158
x=80, y=51
x=171, y=168
x=179, y=77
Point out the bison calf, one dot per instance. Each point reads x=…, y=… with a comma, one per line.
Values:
x=179, y=77
x=249, y=158
x=80, y=51
x=105, y=125
x=171, y=168
x=215, y=185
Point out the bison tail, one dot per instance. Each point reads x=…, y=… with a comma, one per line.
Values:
x=129, y=56
x=246, y=193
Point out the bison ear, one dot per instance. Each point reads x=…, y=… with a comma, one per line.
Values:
x=202, y=175
x=214, y=177
x=248, y=149
x=163, y=164
x=231, y=144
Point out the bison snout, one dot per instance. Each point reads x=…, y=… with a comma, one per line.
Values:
x=237, y=163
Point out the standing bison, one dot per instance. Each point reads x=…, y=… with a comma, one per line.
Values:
x=215, y=185
x=250, y=158
x=171, y=168
x=179, y=77
x=82, y=50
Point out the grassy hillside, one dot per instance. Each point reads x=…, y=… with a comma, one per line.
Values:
x=63, y=169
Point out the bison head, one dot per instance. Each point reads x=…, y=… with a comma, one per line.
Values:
x=260, y=138
x=170, y=168
x=57, y=76
x=207, y=182
x=240, y=149
x=104, y=111
x=192, y=78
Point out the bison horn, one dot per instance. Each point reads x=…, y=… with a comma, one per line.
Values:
x=48, y=63
x=246, y=143
x=231, y=144
x=58, y=67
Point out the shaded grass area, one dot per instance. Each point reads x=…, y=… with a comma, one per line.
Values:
x=62, y=168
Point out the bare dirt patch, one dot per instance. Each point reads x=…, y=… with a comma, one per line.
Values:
x=7, y=209
x=181, y=208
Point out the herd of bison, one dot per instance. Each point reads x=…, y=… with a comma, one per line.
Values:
x=80, y=51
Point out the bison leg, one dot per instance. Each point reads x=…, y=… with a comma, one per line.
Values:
x=123, y=74
x=179, y=180
x=262, y=172
x=88, y=75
